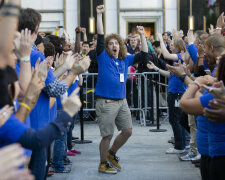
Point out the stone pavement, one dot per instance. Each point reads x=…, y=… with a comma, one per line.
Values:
x=142, y=158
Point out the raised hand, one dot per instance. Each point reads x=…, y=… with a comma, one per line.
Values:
x=78, y=29
x=151, y=65
x=160, y=37
x=212, y=30
x=140, y=30
x=59, y=60
x=177, y=69
x=100, y=9
x=72, y=104
x=191, y=37
x=221, y=20
x=83, y=29
x=5, y=113
x=81, y=66
x=23, y=43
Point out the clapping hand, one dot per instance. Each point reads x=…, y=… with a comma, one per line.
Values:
x=218, y=90
x=177, y=69
x=81, y=65
x=72, y=104
x=23, y=43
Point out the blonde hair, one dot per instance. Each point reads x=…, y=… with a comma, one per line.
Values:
x=179, y=45
x=123, y=48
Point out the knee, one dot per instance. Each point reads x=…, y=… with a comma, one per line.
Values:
x=127, y=133
x=107, y=138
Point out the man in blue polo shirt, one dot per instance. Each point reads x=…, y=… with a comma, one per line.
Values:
x=111, y=104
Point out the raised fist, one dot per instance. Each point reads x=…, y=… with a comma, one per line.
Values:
x=100, y=9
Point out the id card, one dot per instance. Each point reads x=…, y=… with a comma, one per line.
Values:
x=121, y=77
x=177, y=103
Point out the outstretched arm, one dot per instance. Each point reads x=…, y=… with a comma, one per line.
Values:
x=144, y=46
x=165, y=52
x=100, y=10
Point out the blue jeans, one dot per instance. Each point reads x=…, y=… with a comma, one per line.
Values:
x=174, y=119
x=60, y=149
x=70, y=134
x=37, y=163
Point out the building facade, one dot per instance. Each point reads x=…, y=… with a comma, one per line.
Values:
x=121, y=16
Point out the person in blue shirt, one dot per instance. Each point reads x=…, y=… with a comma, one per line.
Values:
x=192, y=102
x=111, y=105
x=175, y=90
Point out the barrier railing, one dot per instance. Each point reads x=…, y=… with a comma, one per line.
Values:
x=140, y=93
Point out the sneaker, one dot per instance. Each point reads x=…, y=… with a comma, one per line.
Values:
x=50, y=173
x=75, y=151
x=67, y=162
x=196, y=158
x=64, y=170
x=187, y=147
x=114, y=161
x=69, y=153
x=106, y=168
x=174, y=151
x=188, y=156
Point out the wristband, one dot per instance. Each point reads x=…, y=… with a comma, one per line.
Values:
x=218, y=28
x=25, y=59
x=183, y=77
x=26, y=106
x=7, y=5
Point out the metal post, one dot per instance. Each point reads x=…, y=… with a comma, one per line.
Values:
x=82, y=141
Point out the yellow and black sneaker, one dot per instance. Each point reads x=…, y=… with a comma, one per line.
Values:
x=114, y=160
x=106, y=168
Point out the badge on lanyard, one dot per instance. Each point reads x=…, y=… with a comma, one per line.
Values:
x=117, y=63
x=121, y=77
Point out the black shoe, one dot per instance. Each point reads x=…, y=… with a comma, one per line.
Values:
x=195, y=161
x=197, y=165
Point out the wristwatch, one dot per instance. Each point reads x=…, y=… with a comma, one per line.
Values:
x=25, y=59
x=183, y=77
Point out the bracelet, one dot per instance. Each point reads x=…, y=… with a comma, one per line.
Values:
x=25, y=59
x=26, y=106
x=218, y=28
x=7, y=5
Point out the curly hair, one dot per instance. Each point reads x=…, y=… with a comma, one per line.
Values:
x=123, y=48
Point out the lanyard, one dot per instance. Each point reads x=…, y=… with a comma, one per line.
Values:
x=117, y=66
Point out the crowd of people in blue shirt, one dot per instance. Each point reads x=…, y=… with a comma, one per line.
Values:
x=40, y=75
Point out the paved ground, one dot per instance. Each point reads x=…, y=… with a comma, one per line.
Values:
x=142, y=158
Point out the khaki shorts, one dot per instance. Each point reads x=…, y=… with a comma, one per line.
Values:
x=109, y=113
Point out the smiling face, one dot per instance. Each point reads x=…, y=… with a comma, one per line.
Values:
x=114, y=48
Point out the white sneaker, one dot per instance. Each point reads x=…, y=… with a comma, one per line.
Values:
x=174, y=151
x=196, y=157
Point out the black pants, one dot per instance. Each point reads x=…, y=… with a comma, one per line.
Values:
x=217, y=168
x=205, y=167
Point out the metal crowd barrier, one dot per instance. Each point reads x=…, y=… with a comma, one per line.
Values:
x=137, y=94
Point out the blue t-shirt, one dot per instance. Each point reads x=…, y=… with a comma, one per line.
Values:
x=193, y=51
x=40, y=115
x=11, y=131
x=202, y=134
x=109, y=70
x=53, y=113
x=175, y=85
x=216, y=131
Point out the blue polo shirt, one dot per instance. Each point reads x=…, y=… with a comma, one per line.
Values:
x=175, y=85
x=40, y=115
x=108, y=82
x=216, y=131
